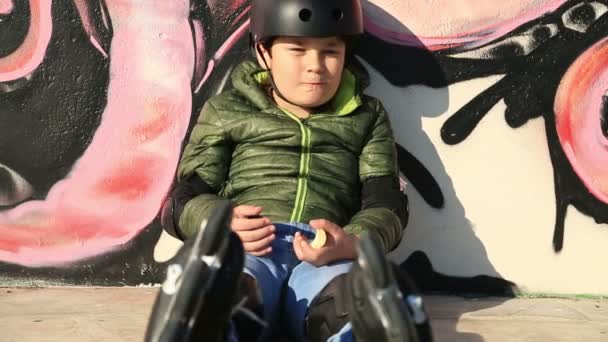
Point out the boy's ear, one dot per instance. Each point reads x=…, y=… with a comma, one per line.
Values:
x=262, y=55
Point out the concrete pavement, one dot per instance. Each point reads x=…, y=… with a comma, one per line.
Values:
x=120, y=314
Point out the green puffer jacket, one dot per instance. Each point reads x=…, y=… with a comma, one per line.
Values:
x=251, y=151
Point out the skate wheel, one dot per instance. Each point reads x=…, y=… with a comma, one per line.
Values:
x=372, y=261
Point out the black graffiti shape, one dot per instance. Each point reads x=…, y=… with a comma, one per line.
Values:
x=582, y=15
x=402, y=65
x=460, y=125
x=47, y=124
x=199, y=15
x=218, y=20
x=420, y=177
x=521, y=101
x=569, y=189
x=14, y=27
x=528, y=74
x=522, y=104
x=534, y=63
x=529, y=89
x=561, y=208
x=604, y=118
x=97, y=14
x=7, y=185
x=524, y=58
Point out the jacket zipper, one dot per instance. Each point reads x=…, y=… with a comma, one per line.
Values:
x=302, y=190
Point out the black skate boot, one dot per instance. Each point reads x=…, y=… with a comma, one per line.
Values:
x=370, y=297
x=195, y=300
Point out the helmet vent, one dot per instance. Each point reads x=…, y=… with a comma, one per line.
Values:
x=305, y=14
x=337, y=14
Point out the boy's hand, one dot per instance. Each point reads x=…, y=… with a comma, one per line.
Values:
x=256, y=232
x=339, y=245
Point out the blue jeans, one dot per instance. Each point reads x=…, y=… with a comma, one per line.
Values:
x=288, y=285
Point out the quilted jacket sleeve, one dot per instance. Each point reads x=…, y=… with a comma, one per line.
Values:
x=378, y=159
x=206, y=155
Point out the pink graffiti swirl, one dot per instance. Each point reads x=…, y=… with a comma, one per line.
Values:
x=445, y=24
x=578, y=107
x=29, y=55
x=116, y=188
x=6, y=7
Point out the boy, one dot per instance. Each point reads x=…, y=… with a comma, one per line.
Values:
x=298, y=149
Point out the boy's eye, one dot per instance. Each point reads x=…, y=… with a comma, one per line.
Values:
x=331, y=52
x=296, y=49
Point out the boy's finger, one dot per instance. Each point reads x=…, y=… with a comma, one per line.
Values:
x=246, y=210
x=298, y=249
x=263, y=252
x=256, y=234
x=240, y=224
x=258, y=245
x=307, y=249
x=328, y=226
x=308, y=253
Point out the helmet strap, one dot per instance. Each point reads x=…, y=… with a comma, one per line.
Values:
x=275, y=89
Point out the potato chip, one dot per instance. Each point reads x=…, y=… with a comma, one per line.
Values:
x=320, y=239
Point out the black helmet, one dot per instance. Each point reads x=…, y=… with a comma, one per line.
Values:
x=305, y=18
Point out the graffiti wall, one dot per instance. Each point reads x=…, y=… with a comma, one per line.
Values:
x=500, y=112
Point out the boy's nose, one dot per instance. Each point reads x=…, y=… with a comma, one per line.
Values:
x=314, y=62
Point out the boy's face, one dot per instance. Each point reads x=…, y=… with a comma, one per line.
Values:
x=307, y=71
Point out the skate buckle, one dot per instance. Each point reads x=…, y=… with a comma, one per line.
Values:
x=172, y=282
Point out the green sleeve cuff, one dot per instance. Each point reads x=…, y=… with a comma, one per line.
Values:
x=196, y=211
x=353, y=229
x=380, y=221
